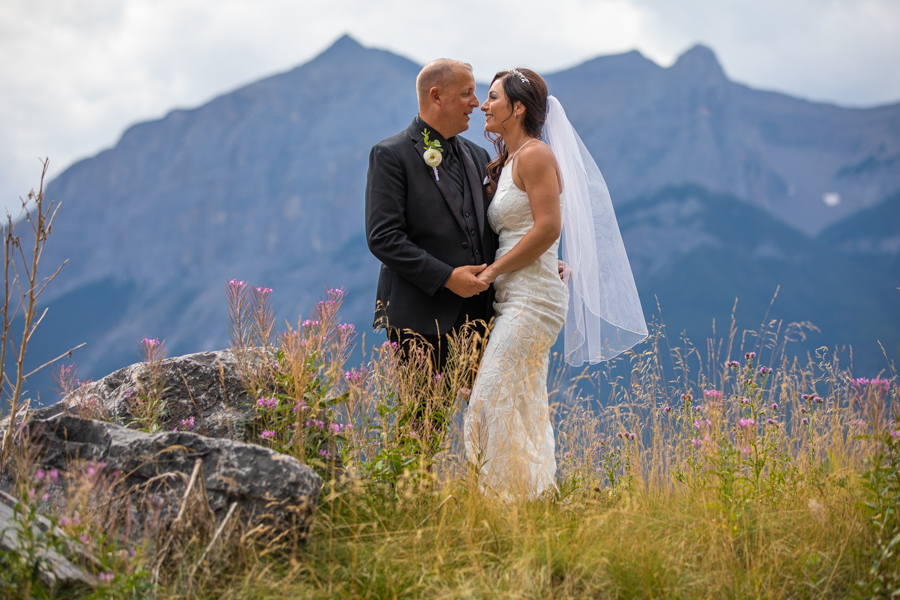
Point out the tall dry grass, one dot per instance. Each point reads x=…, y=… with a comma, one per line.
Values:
x=733, y=469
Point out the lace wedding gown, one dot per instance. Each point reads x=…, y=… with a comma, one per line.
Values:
x=507, y=431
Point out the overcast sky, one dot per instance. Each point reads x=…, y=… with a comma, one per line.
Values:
x=75, y=73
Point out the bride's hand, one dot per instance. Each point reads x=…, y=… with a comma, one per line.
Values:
x=487, y=276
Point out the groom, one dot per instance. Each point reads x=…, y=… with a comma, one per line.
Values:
x=428, y=226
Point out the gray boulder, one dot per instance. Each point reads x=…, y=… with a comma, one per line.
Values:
x=270, y=488
x=55, y=570
x=206, y=386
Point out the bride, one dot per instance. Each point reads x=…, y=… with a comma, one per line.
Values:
x=543, y=193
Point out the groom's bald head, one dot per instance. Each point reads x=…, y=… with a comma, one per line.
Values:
x=446, y=91
x=440, y=74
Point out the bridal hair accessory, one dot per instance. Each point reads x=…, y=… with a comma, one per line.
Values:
x=519, y=74
x=605, y=317
x=432, y=154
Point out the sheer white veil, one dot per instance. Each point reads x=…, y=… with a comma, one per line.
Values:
x=605, y=317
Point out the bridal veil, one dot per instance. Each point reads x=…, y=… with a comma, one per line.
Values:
x=604, y=316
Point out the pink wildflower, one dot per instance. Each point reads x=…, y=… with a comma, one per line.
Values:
x=267, y=433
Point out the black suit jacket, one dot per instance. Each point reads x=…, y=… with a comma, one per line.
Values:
x=414, y=228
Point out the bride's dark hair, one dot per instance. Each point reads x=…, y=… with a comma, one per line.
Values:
x=527, y=87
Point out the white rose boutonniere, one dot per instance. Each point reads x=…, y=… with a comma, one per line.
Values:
x=432, y=154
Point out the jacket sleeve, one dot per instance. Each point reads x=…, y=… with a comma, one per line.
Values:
x=386, y=227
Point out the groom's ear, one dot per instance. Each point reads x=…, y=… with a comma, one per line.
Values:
x=434, y=94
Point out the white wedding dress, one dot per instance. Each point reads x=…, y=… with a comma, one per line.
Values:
x=507, y=431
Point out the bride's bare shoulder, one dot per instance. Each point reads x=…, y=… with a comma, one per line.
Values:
x=537, y=155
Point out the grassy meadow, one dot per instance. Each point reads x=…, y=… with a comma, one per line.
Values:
x=730, y=469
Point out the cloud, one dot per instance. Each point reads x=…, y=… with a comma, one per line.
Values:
x=73, y=75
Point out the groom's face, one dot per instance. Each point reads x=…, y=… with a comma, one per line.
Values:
x=458, y=102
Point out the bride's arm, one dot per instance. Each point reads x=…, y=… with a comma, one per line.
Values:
x=537, y=171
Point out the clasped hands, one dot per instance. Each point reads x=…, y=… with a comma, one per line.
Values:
x=469, y=280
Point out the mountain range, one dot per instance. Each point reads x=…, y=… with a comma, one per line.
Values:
x=722, y=192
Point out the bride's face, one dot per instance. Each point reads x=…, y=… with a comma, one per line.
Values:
x=497, y=110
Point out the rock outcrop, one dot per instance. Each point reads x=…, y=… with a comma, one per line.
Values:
x=55, y=571
x=270, y=488
x=203, y=388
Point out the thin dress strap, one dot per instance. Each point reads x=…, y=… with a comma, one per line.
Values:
x=519, y=150
x=513, y=159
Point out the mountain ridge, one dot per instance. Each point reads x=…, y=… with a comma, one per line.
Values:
x=265, y=184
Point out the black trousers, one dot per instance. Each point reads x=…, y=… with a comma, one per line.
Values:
x=472, y=311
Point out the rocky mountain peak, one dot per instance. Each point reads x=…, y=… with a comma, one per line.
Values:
x=700, y=63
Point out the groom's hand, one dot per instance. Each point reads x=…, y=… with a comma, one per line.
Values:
x=463, y=281
x=565, y=272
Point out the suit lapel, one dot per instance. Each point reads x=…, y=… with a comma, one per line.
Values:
x=474, y=183
x=442, y=183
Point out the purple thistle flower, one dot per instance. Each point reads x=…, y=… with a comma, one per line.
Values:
x=818, y=400
x=667, y=408
x=804, y=421
x=774, y=406
x=750, y=355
